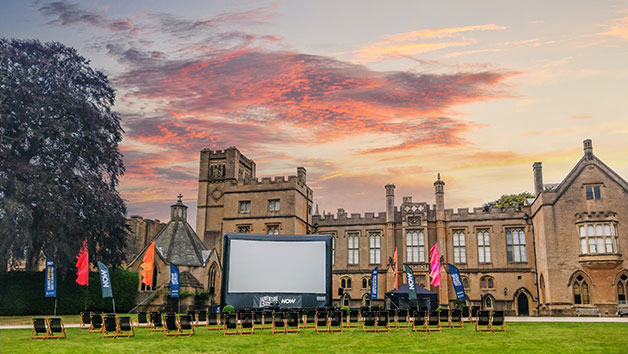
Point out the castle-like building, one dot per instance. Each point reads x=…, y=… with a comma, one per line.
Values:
x=562, y=253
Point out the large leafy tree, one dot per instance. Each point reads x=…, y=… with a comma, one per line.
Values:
x=59, y=157
x=514, y=200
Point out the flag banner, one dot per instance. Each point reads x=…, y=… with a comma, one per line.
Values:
x=396, y=272
x=148, y=263
x=82, y=265
x=374, y=284
x=457, y=281
x=174, y=281
x=435, y=265
x=51, y=279
x=105, y=281
x=410, y=281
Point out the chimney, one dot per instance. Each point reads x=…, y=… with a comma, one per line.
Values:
x=588, y=149
x=390, y=202
x=537, y=167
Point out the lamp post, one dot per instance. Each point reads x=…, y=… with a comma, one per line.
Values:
x=529, y=222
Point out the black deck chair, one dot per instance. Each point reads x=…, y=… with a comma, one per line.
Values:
x=268, y=318
x=186, y=325
x=335, y=321
x=456, y=319
x=353, y=318
x=498, y=324
x=192, y=314
x=433, y=322
x=419, y=323
x=201, y=317
x=125, y=327
x=40, y=328
x=171, y=327
x=246, y=323
x=257, y=317
x=56, y=327
x=213, y=322
x=279, y=322
x=230, y=324
x=403, y=318
x=474, y=313
x=466, y=314
x=483, y=324
x=368, y=322
x=309, y=320
x=383, y=321
x=156, y=322
x=95, y=323
x=444, y=318
x=392, y=316
x=321, y=324
x=110, y=328
x=293, y=324
x=142, y=320
x=85, y=320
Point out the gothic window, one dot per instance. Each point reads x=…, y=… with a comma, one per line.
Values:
x=346, y=300
x=516, y=245
x=343, y=283
x=244, y=206
x=273, y=205
x=598, y=238
x=333, y=249
x=374, y=247
x=353, y=248
x=465, y=283
x=484, y=246
x=366, y=299
x=622, y=289
x=348, y=283
x=415, y=246
x=364, y=283
x=212, y=278
x=487, y=283
x=460, y=252
x=488, y=302
x=244, y=229
x=580, y=289
x=272, y=229
x=593, y=192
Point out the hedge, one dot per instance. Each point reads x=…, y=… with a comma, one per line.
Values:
x=22, y=293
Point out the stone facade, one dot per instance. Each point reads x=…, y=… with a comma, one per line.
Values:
x=139, y=235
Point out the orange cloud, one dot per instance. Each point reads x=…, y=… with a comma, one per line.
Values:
x=618, y=28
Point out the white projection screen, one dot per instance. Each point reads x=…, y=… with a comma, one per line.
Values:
x=276, y=270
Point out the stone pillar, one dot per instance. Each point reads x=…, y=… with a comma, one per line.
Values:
x=588, y=149
x=441, y=238
x=537, y=167
x=390, y=203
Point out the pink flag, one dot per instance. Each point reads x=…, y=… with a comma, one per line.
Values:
x=435, y=265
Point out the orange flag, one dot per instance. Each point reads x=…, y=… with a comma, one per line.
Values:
x=396, y=270
x=82, y=265
x=148, y=263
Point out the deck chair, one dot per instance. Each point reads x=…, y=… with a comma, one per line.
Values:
x=85, y=320
x=335, y=321
x=466, y=314
x=40, y=328
x=369, y=322
x=309, y=320
x=110, y=328
x=383, y=322
x=142, y=320
x=392, y=316
x=444, y=318
x=230, y=324
x=498, y=324
x=279, y=322
x=201, y=318
x=433, y=322
x=257, y=317
x=192, y=314
x=125, y=327
x=56, y=328
x=419, y=323
x=403, y=318
x=474, y=313
x=293, y=324
x=456, y=319
x=213, y=322
x=353, y=318
x=186, y=325
x=321, y=323
x=171, y=326
x=95, y=323
x=483, y=324
x=156, y=322
x=247, y=326
x=268, y=319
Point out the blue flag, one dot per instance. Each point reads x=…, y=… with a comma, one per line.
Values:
x=51, y=279
x=374, y=284
x=457, y=281
x=105, y=281
x=174, y=281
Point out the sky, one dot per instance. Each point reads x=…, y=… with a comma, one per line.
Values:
x=361, y=93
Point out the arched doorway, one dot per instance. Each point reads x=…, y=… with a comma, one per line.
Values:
x=523, y=308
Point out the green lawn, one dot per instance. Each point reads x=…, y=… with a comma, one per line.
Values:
x=521, y=338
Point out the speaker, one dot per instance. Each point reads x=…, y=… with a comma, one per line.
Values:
x=340, y=291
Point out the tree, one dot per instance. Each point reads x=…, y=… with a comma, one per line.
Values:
x=516, y=200
x=59, y=157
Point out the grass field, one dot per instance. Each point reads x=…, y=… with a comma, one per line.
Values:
x=521, y=337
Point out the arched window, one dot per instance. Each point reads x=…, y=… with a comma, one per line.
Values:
x=622, y=289
x=366, y=299
x=349, y=283
x=145, y=287
x=211, y=281
x=580, y=289
x=346, y=300
x=343, y=283
x=364, y=283
x=487, y=283
x=465, y=282
x=488, y=302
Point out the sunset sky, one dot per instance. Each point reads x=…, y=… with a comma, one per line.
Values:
x=361, y=93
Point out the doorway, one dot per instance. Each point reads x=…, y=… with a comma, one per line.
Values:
x=522, y=304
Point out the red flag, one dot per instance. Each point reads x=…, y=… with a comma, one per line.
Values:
x=435, y=265
x=148, y=263
x=82, y=263
x=396, y=271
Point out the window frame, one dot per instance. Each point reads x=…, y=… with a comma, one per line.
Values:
x=239, y=227
x=459, y=249
x=482, y=249
x=593, y=191
x=514, y=250
x=276, y=226
x=353, y=247
x=375, y=247
x=410, y=247
x=274, y=205
x=247, y=210
x=600, y=238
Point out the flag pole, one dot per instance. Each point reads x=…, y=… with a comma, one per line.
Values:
x=55, y=312
x=113, y=302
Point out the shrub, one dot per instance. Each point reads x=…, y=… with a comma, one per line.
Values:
x=345, y=309
x=228, y=309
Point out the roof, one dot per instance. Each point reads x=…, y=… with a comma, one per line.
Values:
x=186, y=279
x=403, y=289
x=177, y=243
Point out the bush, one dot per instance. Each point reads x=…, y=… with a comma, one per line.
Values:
x=345, y=309
x=228, y=309
x=22, y=293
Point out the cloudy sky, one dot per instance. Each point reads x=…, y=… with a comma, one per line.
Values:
x=361, y=93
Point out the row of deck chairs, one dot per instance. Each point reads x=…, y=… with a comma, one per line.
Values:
x=48, y=328
x=109, y=325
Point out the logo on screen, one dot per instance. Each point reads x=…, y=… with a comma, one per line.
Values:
x=288, y=301
x=268, y=300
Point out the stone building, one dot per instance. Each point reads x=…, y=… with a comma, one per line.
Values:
x=139, y=235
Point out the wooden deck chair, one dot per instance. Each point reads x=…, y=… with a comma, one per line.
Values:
x=433, y=322
x=474, y=313
x=85, y=320
x=309, y=319
x=142, y=320
x=110, y=328
x=336, y=321
x=279, y=322
x=293, y=324
x=56, y=328
x=466, y=314
x=192, y=314
x=171, y=325
x=403, y=318
x=444, y=318
x=383, y=321
x=498, y=324
x=125, y=327
x=230, y=324
x=419, y=322
x=456, y=319
x=156, y=322
x=369, y=321
x=201, y=317
x=321, y=323
x=95, y=323
x=186, y=325
x=268, y=319
x=257, y=316
x=40, y=328
x=247, y=325
x=392, y=317
x=483, y=324
x=353, y=318
x=213, y=322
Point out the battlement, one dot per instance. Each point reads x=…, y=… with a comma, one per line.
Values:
x=342, y=217
x=493, y=212
x=267, y=181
